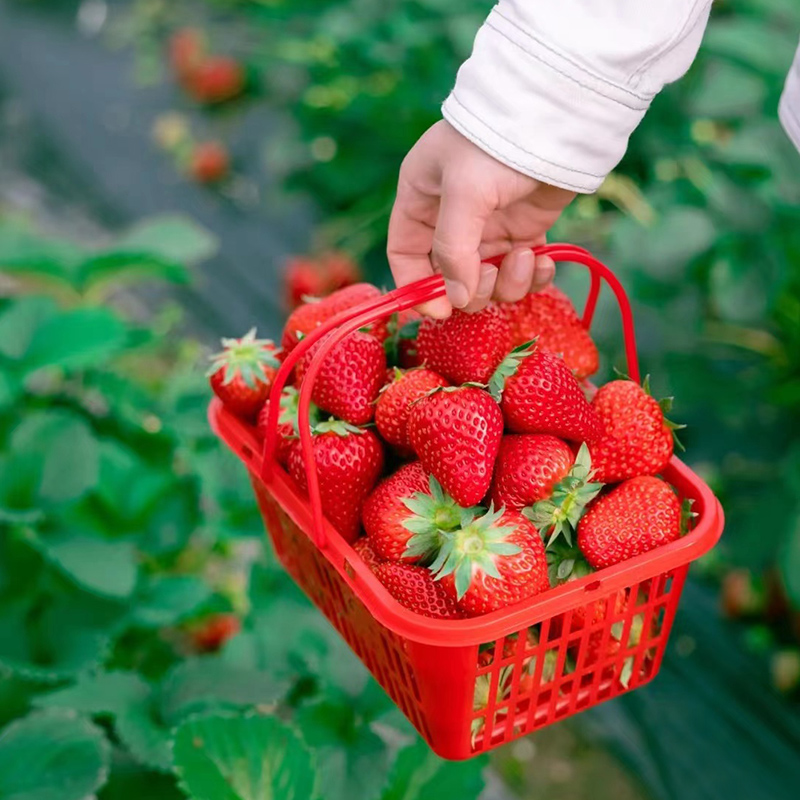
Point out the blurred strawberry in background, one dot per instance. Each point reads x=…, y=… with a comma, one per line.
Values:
x=308, y=276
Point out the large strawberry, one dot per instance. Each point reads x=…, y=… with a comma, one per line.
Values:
x=363, y=546
x=465, y=348
x=539, y=394
x=241, y=374
x=395, y=403
x=491, y=561
x=633, y=518
x=456, y=433
x=549, y=316
x=350, y=378
x=349, y=462
x=404, y=515
x=637, y=439
x=314, y=312
x=415, y=588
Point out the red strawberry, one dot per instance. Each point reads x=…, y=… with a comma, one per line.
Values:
x=492, y=561
x=366, y=551
x=303, y=278
x=242, y=374
x=405, y=514
x=287, y=422
x=215, y=79
x=351, y=376
x=340, y=270
x=465, y=348
x=456, y=433
x=211, y=633
x=187, y=50
x=395, y=403
x=633, y=518
x=549, y=316
x=209, y=162
x=540, y=395
x=311, y=315
x=414, y=588
x=528, y=468
x=637, y=439
x=349, y=462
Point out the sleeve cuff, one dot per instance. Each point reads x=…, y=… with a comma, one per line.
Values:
x=539, y=112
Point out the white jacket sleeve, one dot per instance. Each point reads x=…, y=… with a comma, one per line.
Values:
x=789, y=107
x=554, y=88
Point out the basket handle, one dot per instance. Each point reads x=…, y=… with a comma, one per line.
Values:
x=398, y=300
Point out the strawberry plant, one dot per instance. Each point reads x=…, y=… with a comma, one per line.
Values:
x=149, y=646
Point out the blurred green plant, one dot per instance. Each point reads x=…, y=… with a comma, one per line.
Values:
x=127, y=536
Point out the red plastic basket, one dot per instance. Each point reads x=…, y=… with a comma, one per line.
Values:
x=471, y=685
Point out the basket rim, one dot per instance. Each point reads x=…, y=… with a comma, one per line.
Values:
x=241, y=438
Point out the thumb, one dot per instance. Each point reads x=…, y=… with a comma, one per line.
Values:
x=455, y=251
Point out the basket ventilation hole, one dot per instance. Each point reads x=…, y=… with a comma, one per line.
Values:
x=592, y=587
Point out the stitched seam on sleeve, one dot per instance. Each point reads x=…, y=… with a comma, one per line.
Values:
x=689, y=24
x=519, y=147
x=541, y=43
x=566, y=75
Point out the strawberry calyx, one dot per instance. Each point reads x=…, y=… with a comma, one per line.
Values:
x=434, y=514
x=290, y=407
x=559, y=514
x=474, y=545
x=687, y=516
x=397, y=333
x=508, y=368
x=337, y=426
x=665, y=404
x=246, y=357
x=565, y=562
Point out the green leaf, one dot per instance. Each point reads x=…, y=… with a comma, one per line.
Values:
x=120, y=267
x=419, y=774
x=52, y=755
x=174, y=238
x=166, y=600
x=789, y=564
x=768, y=49
x=85, y=337
x=727, y=91
x=104, y=566
x=210, y=682
x=100, y=693
x=148, y=740
x=19, y=322
x=29, y=254
x=353, y=759
x=739, y=292
x=226, y=757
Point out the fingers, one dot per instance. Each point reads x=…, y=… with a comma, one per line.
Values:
x=516, y=275
x=486, y=287
x=543, y=273
x=457, y=241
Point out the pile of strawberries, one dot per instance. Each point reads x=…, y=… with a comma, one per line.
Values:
x=468, y=461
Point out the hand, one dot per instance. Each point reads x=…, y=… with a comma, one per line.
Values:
x=457, y=205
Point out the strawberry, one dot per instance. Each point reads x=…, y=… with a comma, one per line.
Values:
x=187, y=50
x=456, y=433
x=633, y=518
x=242, y=374
x=401, y=339
x=403, y=517
x=549, y=316
x=491, y=561
x=396, y=400
x=465, y=348
x=312, y=314
x=366, y=551
x=317, y=277
x=287, y=422
x=539, y=394
x=349, y=462
x=340, y=270
x=211, y=633
x=215, y=79
x=351, y=376
x=209, y=162
x=637, y=439
x=414, y=588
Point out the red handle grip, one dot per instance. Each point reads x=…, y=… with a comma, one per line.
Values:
x=406, y=297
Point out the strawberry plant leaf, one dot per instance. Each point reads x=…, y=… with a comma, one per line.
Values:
x=174, y=238
x=19, y=322
x=102, y=566
x=148, y=740
x=231, y=757
x=52, y=755
x=123, y=266
x=166, y=600
x=100, y=693
x=84, y=337
x=419, y=774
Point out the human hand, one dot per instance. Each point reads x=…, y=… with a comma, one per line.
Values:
x=455, y=206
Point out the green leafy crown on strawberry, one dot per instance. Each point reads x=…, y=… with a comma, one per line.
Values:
x=246, y=357
x=665, y=404
x=434, y=515
x=508, y=368
x=559, y=514
x=337, y=426
x=475, y=543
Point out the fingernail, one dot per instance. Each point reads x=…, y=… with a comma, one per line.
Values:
x=457, y=293
x=486, y=281
x=522, y=266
